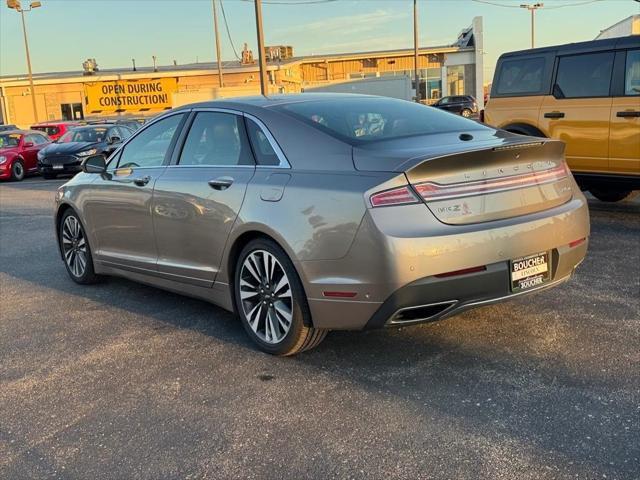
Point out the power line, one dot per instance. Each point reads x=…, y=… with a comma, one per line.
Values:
x=587, y=2
x=226, y=26
x=292, y=2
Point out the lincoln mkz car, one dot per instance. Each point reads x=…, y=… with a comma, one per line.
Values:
x=319, y=212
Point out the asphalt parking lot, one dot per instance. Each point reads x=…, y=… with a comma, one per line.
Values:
x=120, y=380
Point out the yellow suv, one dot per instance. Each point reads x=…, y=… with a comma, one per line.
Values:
x=586, y=94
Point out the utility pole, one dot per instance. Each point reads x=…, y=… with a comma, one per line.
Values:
x=532, y=8
x=415, y=50
x=15, y=5
x=261, y=59
x=218, y=57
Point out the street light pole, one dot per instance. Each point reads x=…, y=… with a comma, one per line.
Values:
x=218, y=58
x=261, y=59
x=15, y=5
x=532, y=8
x=416, y=76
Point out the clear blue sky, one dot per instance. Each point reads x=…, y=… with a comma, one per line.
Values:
x=63, y=33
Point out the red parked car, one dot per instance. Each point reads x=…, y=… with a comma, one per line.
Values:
x=54, y=130
x=19, y=153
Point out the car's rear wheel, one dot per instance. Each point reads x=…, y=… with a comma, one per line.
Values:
x=466, y=113
x=75, y=249
x=17, y=171
x=610, y=195
x=271, y=301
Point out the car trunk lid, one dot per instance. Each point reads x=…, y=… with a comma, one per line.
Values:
x=490, y=180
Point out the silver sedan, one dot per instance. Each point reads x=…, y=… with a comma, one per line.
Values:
x=314, y=212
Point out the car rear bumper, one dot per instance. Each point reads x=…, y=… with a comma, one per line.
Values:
x=396, y=270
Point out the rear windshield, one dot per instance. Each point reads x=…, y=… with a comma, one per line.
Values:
x=49, y=130
x=370, y=119
x=86, y=134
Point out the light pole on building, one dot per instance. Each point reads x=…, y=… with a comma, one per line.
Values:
x=218, y=59
x=416, y=76
x=15, y=5
x=261, y=59
x=532, y=8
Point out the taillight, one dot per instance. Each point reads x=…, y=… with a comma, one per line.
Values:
x=395, y=196
x=437, y=191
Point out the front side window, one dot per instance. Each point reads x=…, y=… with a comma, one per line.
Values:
x=149, y=148
x=521, y=76
x=370, y=119
x=216, y=139
x=581, y=76
x=264, y=152
x=632, y=73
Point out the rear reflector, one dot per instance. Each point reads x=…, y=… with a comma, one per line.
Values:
x=438, y=191
x=396, y=196
x=464, y=271
x=340, y=294
x=575, y=243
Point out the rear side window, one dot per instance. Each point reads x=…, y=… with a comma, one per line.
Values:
x=216, y=139
x=48, y=130
x=262, y=149
x=632, y=73
x=370, y=119
x=521, y=76
x=582, y=76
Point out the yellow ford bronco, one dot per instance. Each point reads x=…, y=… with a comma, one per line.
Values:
x=586, y=94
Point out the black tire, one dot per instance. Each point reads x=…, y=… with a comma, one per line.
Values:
x=466, y=113
x=610, y=195
x=49, y=176
x=299, y=336
x=87, y=276
x=17, y=171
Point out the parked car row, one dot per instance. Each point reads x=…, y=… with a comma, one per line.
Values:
x=26, y=152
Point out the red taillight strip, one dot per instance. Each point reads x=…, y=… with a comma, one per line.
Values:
x=396, y=196
x=438, y=191
x=575, y=243
x=339, y=294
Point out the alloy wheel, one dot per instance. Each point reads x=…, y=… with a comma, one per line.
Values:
x=74, y=246
x=265, y=295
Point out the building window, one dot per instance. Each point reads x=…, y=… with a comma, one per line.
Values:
x=71, y=111
x=455, y=80
x=370, y=63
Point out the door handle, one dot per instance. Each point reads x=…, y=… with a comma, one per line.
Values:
x=554, y=115
x=221, y=183
x=142, y=181
x=628, y=114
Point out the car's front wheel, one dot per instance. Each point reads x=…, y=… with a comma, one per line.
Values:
x=271, y=301
x=17, y=171
x=466, y=113
x=75, y=249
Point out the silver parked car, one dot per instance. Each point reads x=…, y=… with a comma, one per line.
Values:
x=315, y=212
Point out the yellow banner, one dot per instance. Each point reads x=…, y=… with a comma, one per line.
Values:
x=130, y=95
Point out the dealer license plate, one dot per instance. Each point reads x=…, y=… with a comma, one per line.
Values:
x=530, y=272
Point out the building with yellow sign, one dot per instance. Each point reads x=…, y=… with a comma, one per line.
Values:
x=454, y=69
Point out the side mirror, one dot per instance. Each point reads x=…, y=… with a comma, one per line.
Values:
x=95, y=164
x=114, y=139
x=28, y=144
